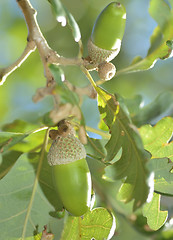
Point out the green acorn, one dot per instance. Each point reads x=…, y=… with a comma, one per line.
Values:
x=71, y=174
x=107, y=33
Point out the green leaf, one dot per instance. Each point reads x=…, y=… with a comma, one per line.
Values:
x=73, y=25
x=157, y=139
x=161, y=12
x=161, y=104
x=21, y=136
x=95, y=224
x=131, y=164
x=7, y=161
x=63, y=16
x=155, y=217
x=108, y=106
x=67, y=96
x=9, y=139
x=134, y=105
x=26, y=198
x=163, y=177
x=95, y=148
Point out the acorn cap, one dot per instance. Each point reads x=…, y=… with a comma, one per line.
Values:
x=65, y=150
x=99, y=55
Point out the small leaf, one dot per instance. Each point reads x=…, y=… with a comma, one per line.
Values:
x=95, y=224
x=59, y=11
x=73, y=25
x=63, y=16
x=157, y=139
x=108, y=106
x=155, y=217
x=163, y=178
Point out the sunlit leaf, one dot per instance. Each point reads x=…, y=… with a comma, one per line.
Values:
x=97, y=224
x=157, y=139
x=131, y=164
x=108, y=106
x=155, y=217
x=161, y=12
x=63, y=16
x=26, y=198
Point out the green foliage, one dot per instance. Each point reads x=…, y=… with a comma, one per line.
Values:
x=131, y=164
x=162, y=14
x=155, y=217
x=142, y=115
x=23, y=203
x=157, y=139
x=126, y=163
x=62, y=15
x=96, y=224
x=163, y=179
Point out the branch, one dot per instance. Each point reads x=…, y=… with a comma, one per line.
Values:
x=4, y=72
x=35, y=34
x=36, y=39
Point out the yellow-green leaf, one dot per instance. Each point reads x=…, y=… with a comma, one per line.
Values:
x=155, y=217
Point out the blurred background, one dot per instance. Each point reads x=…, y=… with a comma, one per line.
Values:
x=16, y=93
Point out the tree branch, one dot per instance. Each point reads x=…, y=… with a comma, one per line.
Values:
x=4, y=72
x=35, y=34
x=36, y=39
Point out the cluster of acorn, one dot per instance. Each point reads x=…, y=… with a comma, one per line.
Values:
x=67, y=155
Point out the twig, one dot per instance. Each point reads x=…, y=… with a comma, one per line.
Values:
x=36, y=39
x=35, y=34
x=4, y=72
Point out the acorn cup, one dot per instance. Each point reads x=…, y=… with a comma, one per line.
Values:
x=70, y=172
x=105, y=42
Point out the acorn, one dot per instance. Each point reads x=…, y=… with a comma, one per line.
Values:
x=107, y=33
x=70, y=171
x=106, y=70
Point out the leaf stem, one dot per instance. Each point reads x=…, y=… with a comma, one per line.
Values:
x=35, y=184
